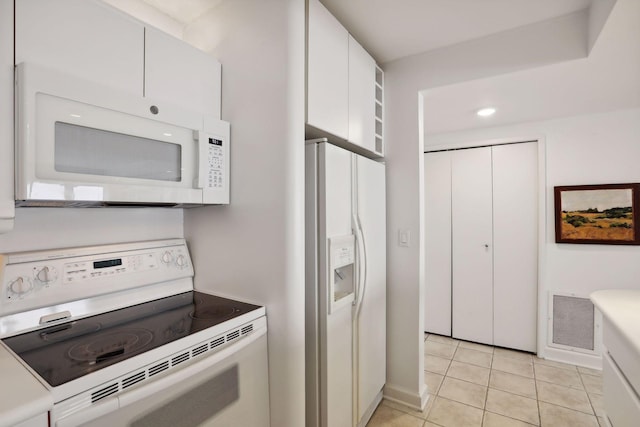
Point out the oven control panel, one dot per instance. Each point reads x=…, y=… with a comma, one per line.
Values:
x=92, y=269
x=35, y=279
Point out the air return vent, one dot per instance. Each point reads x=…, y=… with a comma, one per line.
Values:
x=572, y=322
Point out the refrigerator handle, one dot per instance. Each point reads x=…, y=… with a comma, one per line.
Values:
x=362, y=265
x=358, y=271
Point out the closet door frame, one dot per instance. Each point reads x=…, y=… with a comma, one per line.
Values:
x=543, y=202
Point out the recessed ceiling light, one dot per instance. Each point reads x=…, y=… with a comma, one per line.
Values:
x=167, y=134
x=486, y=112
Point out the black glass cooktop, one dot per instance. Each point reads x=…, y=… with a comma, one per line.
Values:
x=68, y=351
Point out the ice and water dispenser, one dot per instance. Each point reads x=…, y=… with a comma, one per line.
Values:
x=341, y=271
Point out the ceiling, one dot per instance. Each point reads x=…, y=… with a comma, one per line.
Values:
x=184, y=11
x=394, y=29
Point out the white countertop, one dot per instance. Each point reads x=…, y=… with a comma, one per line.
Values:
x=22, y=396
x=622, y=308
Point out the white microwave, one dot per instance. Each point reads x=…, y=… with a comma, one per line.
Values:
x=79, y=143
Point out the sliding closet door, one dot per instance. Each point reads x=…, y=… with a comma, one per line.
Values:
x=515, y=235
x=472, y=245
x=437, y=234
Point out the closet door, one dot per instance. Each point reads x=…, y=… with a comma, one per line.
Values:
x=437, y=233
x=472, y=245
x=515, y=234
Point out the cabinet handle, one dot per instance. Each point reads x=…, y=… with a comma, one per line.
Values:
x=486, y=246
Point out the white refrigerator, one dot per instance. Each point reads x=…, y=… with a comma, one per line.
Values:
x=345, y=286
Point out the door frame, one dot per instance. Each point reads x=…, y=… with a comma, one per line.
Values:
x=543, y=290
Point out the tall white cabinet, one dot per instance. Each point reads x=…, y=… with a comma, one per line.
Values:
x=481, y=244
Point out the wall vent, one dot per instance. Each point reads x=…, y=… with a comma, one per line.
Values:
x=572, y=322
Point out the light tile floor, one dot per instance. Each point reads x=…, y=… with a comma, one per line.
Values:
x=474, y=385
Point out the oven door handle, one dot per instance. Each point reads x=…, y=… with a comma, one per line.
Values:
x=111, y=404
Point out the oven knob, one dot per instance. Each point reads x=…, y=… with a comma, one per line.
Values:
x=20, y=286
x=45, y=274
x=167, y=257
x=181, y=262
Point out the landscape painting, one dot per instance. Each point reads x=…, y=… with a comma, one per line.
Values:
x=602, y=214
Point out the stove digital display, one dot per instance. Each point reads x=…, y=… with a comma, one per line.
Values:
x=108, y=263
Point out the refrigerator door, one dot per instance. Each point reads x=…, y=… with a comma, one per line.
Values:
x=371, y=313
x=335, y=332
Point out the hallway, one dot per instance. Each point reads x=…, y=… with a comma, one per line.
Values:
x=475, y=385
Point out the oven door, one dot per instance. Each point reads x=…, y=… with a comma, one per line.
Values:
x=228, y=388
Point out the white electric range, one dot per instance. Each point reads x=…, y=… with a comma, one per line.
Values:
x=119, y=337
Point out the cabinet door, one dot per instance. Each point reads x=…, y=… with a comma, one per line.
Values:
x=437, y=235
x=180, y=74
x=515, y=237
x=362, y=96
x=7, y=203
x=327, y=72
x=472, y=250
x=85, y=38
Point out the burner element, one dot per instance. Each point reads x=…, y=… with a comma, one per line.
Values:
x=215, y=312
x=108, y=345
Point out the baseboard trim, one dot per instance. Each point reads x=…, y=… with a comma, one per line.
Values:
x=406, y=397
x=592, y=361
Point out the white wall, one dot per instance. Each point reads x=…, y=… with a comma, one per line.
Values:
x=589, y=149
x=50, y=228
x=253, y=249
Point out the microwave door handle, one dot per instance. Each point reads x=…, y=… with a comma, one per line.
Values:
x=203, y=157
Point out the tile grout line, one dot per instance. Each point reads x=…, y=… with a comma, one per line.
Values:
x=535, y=384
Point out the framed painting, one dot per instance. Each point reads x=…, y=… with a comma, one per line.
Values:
x=602, y=214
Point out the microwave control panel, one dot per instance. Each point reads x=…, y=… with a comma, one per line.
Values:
x=213, y=174
x=215, y=156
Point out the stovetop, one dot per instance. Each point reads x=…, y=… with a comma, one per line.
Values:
x=68, y=351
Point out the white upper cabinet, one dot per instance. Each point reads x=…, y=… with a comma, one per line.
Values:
x=362, y=96
x=93, y=41
x=84, y=38
x=344, y=86
x=179, y=73
x=327, y=72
